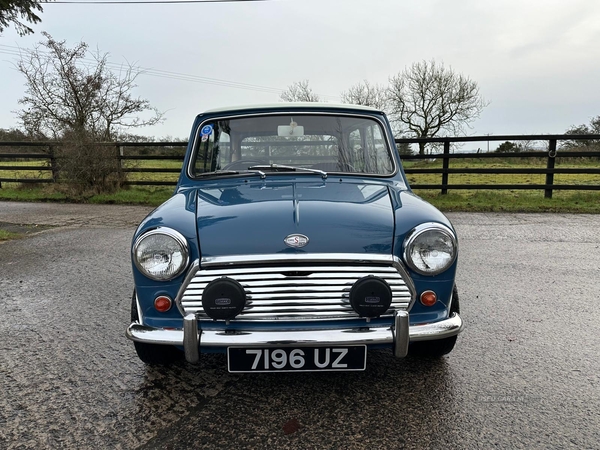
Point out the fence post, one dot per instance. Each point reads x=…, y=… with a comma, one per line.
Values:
x=550, y=165
x=53, y=164
x=119, y=149
x=445, y=165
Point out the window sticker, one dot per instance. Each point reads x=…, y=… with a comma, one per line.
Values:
x=206, y=130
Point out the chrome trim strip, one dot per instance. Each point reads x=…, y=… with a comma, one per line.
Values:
x=348, y=336
x=361, y=258
x=139, y=309
x=399, y=265
x=188, y=278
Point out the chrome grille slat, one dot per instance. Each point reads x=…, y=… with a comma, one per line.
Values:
x=301, y=302
x=303, y=308
x=322, y=315
x=274, y=301
x=199, y=286
x=284, y=302
x=323, y=268
x=296, y=289
x=306, y=290
x=297, y=295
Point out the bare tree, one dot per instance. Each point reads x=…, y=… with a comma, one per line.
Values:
x=427, y=99
x=366, y=94
x=71, y=94
x=299, y=91
x=72, y=90
x=13, y=10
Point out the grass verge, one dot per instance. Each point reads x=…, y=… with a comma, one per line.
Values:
x=134, y=196
x=7, y=235
x=466, y=201
x=515, y=201
x=152, y=196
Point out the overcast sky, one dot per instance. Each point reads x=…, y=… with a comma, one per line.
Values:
x=537, y=61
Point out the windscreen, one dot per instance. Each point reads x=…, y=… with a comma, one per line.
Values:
x=347, y=144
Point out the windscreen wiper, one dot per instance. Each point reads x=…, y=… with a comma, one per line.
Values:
x=287, y=168
x=218, y=173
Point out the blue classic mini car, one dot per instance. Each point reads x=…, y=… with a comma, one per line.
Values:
x=293, y=243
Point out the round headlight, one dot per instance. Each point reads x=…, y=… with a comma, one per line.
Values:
x=430, y=248
x=161, y=254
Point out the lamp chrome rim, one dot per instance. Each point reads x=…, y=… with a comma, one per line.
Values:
x=175, y=235
x=417, y=231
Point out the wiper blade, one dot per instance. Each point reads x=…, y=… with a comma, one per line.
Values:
x=290, y=168
x=218, y=173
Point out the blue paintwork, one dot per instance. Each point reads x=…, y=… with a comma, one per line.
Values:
x=256, y=216
x=247, y=215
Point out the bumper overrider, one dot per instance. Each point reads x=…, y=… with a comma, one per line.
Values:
x=192, y=338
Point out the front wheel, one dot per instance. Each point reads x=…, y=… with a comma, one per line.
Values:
x=438, y=347
x=153, y=354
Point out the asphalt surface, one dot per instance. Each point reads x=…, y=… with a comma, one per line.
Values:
x=525, y=372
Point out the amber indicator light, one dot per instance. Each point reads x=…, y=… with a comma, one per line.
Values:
x=162, y=303
x=428, y=298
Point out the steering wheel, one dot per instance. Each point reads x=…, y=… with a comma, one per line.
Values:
x=243, y=164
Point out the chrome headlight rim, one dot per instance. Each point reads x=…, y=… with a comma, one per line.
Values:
x=177, y=237
x=419, y=230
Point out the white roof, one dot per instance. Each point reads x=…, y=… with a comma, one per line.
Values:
x=294, y=105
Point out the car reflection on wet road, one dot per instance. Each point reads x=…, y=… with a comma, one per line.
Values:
x=524, y=374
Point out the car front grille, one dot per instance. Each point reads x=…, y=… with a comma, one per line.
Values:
x=297, y=287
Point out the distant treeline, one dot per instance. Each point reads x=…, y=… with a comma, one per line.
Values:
x=16, y=135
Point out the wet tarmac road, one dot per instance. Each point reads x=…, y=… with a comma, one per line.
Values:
x=525, y=373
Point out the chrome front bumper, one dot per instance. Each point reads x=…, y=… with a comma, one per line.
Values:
x=399, y=335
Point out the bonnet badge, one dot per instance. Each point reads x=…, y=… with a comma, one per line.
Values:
x=296, y=240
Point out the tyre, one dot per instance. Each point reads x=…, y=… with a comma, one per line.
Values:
x=439, y=347
x=153, y=354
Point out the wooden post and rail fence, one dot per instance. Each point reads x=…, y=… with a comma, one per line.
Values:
x=13, y=153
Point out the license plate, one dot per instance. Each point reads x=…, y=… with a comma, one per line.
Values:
x=297, y=359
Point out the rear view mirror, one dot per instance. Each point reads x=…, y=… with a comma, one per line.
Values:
x=293, y=129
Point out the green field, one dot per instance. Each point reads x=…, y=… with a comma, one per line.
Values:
x=152, y=176
x=590, y=179
x=127, y=164
x=26, y=173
